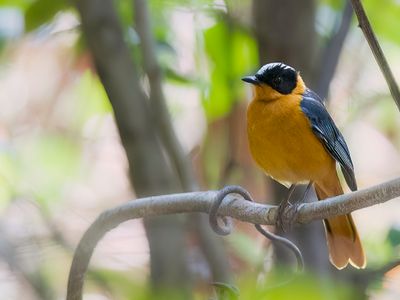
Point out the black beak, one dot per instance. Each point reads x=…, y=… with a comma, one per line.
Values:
x=251, y=79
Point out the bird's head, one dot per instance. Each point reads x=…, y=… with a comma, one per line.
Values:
x=274, y=80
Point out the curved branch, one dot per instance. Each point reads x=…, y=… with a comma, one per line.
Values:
x=213, y=220
x=376, y=50
x=232, y=206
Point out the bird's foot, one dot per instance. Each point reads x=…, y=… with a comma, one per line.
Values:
x=288, y=209
x=286, y=216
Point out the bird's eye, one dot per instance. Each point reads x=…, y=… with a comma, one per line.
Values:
x=277, y=80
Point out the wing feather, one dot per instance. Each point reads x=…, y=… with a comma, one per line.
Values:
x=325, y=129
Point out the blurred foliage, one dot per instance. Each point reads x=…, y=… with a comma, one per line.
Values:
x=232, y=53
x=8, y=176
x=21, y=4
x=384, y=18
x=246, y=248
x=306, y=287
x=394, y=236
x=383, y=15
x=41, y=12
x=46, y=163
x=226, y=291
x=379, y=251
x=125, y=11
x=119, y=284
x=42, y=165
x=96, y=101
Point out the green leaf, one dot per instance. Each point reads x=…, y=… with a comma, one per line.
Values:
x=226, y=291
x=384, y=17
x=125, y=11
x=21, y=4
x=122, y=284
x=334, y=4
x=91, y=98
x=42, y=11
x=218, y=97
x=232, y=53
x=394, y=236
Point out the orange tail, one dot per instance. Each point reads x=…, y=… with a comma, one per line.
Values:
x=344, y=244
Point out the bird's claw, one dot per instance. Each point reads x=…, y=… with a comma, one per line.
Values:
x=287, y=214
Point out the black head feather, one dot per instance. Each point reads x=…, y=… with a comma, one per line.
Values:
x=279, y=76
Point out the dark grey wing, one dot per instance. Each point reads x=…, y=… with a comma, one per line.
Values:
x=325, y=129
x=313, y=95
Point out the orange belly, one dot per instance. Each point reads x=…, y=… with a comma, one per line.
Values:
x=282, y=143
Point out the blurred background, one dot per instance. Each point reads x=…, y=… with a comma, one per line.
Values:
x=74, y=143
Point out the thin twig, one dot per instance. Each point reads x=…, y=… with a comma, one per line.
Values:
x=179, y=159
x=232, y=206
x=157, y=98
x=376, y=50
x=331, y=53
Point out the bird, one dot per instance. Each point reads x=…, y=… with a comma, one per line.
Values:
x=294, y=140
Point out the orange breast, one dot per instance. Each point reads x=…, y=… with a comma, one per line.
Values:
x=282, y=142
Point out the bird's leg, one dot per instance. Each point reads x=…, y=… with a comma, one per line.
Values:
x=288, y=208
x=282, y=219
x=309, y=185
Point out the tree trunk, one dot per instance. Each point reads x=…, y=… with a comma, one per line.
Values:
x=210, y=243
x=149, y=169
x=285, y=32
